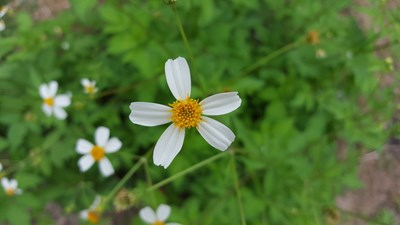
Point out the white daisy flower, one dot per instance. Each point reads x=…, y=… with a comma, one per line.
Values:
x=92, y=214
x=156, y=218
x=96, y=153
x=90, y=86
x=185, y=112
x=10, y=186
x=52, y=103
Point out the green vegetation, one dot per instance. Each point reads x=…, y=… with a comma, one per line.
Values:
x=308, y=76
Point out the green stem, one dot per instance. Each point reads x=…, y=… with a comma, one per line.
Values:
x=186, y=171
x=264, y=60
x=237, y=189
x=121, y=183
x=150, y=182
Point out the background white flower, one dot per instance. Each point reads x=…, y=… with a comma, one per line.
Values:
x=156, y=218
x=89, y=86
x=52, y=103
x=185, y=113
x=92, y=214
x=10, y=186
x=96, y=153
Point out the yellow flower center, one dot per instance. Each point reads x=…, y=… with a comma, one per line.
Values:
x=93, y=217
x=158, y=223
x=10, y=192
x=97, y=152
x=49, y=101
x=89, y=89
x=186, y=113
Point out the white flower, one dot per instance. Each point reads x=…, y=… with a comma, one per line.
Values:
x=185, y=112
x=90, y=86
x=96, y=153
x=10, y=186
x=52, y=103
x=92, y=214
x=156, y=218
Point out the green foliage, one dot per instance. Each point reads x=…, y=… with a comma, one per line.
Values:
x=297, y=106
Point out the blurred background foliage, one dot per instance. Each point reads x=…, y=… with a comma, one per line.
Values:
x=308, y=75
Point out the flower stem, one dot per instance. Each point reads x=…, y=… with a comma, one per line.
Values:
x=186, y=171
x=237, y=189
x=264, y=60
x=121, y=183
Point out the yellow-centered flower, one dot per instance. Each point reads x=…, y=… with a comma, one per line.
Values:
x=184, y=113
x=97, y=153
x=53, y=104
x=156, y=217
x=10, y=186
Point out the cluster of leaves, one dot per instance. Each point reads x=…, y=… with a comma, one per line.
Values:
x=297, y=108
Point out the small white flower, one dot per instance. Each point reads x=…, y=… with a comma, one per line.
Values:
x=52, y=103
x=92, y=214
x=156, y=218
x=185, y=112
x=65, y=45
x=89, y=86
x=96, y=153
x=10, y=186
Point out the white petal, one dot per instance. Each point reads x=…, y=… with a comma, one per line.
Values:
x=168, y=146
x=59, y=113
x=147, y=215
x=2, y=25
x=13, y=184
x=149, y=114
x=4, y=10
x=62, y=100
x=44, y=91
x=178, y=77
x=84, y=214
x=1, y=167
x=96, y=202
x=5, y=183
x=85, y=82
x=83, y=146
x=163, y=212
x=53, y=86
x=113, y=145
x=47, y=109
x=106, y=167
x=101, y=136
x=85, y=162
x=215, y=133
x=220, y=104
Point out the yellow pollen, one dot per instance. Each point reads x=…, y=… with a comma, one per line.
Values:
x=49, y=101
x=93, y=217
x=186, y=113
x=10, y=192
x=89, y=89
x=158, y=223
x=97, y=152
